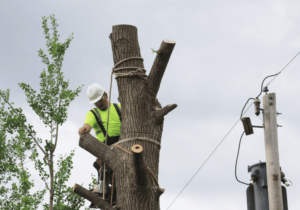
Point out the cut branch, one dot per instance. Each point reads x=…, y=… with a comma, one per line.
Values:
x=98, y=149
x=95, y=199
x=158, y=116
x=140, y=168
x=160, y=191
x=159, y=66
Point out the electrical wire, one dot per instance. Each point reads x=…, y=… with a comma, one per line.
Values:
x=276, y=75
x=261, y=89
x=208, y=158
x=245, y=106
x=237, y=157
x=283, y=68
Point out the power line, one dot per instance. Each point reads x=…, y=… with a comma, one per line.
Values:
x=237, y=157
x=283, y=69
x=209, y=157
x=242, y=114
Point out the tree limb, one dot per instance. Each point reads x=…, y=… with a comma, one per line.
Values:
x=159, y=66
x=160, y=191
x=51, y=130
x=95, y=199
x=98, y=149
x=140, y=168
x=47, y=185
x=158, y=116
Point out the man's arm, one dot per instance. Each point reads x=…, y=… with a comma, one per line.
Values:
x=85, y=129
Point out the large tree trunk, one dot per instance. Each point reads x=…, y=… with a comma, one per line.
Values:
x=136, y=170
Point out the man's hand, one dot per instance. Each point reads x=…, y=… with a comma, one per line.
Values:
x=85, y=129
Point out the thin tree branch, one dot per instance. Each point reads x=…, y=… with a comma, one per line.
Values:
x=51, y=176
x=77, y=203
x=56, y=135
x=25, y=127
x=158, y=116
x=48, y=163
x=47, y=186
x=51, y=130
x=60, y=186
x=22, y=171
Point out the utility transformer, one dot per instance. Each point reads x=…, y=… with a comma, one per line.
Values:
x=257, y=192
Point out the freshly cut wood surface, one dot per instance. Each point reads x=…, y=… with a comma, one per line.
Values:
x=137, y=148
x=169, y=41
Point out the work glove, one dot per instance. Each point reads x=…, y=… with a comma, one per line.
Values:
x=85, y=129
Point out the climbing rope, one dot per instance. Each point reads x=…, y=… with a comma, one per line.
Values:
x=138, y=72
x=153, y=176
x=112, y=189
x=147, y=166
x=121, y=148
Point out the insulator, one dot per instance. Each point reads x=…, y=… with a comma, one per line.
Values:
x=257, y=106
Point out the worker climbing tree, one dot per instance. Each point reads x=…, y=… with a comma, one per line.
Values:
x=134, y=158
x=97, y=118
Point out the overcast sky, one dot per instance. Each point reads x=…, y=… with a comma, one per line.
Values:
x=223, y=51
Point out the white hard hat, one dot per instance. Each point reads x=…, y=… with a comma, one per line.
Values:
x=95, y=93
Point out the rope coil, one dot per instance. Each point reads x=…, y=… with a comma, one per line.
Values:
x=140, y=72
x=135, y=73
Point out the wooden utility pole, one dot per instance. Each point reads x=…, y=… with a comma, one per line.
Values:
x=272, y=153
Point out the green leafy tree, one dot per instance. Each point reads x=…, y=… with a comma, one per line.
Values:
x=14, y=153
x=50, y=104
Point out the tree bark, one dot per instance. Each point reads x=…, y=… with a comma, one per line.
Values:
x=97, y=200
x=99, y=150
x=159, y=66
x=51, y=204
x=136, y=174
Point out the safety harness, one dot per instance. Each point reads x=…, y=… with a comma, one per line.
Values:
x=98, y=118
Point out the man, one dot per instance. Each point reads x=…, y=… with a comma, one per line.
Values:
x=97, y=119
x=98, y=97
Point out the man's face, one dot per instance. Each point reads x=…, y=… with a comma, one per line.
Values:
x=102, y=104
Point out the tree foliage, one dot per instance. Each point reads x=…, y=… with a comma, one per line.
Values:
x=14, y=176
x=50, y=104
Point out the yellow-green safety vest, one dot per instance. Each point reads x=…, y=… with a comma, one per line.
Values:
x=114, y=125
